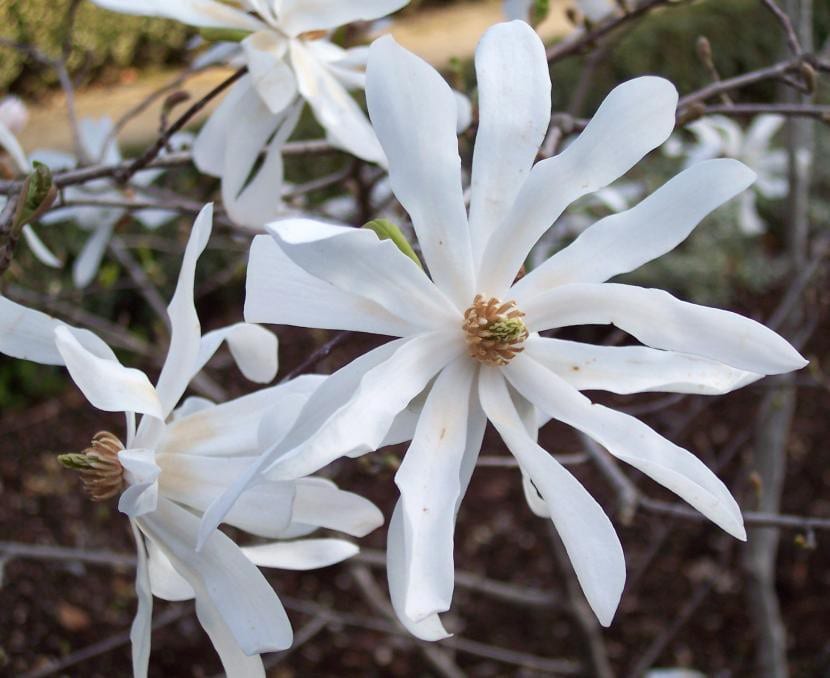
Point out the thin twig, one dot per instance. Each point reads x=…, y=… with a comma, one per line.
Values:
x=789, y=30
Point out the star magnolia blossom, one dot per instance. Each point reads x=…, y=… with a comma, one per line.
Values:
x=289, y=61
x=718, y=136
x=174, y=463
x=99, y=145
x=470, y=348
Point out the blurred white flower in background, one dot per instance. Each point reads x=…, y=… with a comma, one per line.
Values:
x=717, y=136
x=13, y=114
x=470, y=348
x=99, y=145
x=290, y=62
x=593, y=10
x=175, y=462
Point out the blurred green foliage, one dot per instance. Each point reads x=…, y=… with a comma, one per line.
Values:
x=100, y=39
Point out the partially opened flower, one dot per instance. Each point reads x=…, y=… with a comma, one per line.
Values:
x=470, y=348
x=290, y=61
x=99, y=145
x=172, y=465
x=718, y=136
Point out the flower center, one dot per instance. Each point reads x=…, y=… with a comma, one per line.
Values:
x=494, y=330
x=313, y=35
x=99, y=467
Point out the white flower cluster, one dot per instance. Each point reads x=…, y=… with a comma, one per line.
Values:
x=472, y=343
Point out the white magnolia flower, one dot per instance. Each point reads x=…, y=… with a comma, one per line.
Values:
x=470, y=348
x=718, y=136
x=290, y=61
x=175, y=463
x=99, y=145
x=13, y=118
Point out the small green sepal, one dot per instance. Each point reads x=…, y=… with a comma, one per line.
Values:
x=386, y=230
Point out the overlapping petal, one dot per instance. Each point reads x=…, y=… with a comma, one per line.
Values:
x=254, y=349
x=281, y=292
x=320, y=503
x=202, y=13
x=272, y=77
x=306, y=554
x=660, y=320
x=299, y=16
x=585, y=530
x=636, y=117
x=141, y=628
x=635, y=369
x=414, y=114
x=631, y=441
x=356, y=260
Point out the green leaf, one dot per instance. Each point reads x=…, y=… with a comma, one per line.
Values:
x=386, y=230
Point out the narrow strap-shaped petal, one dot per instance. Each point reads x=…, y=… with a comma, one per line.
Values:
x=165, y=582
x=254, y=349
x=88, y=262
x=414, y=113
x=222, y=577
x=635, y=118
x=279, y=291
x=625, y=241
x=106, y=383
x=660, y=320
x=513, y=119
x=321, y=503
x=202, y=13
x=142, y=626
x=211, y=143
x=186, y=332
x=635, y=369
x=237, y=664
x=397, y=573
x=346, y=124
x=356, y=260
x=585, y=530
x=305, y=554
x=429, y=482
x=141, y=475
x=12, y=146
x=39, y=249
x=299, y=16
x=631, y=441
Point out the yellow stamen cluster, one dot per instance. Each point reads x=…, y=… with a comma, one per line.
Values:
x=494, y=330
x=100, y=469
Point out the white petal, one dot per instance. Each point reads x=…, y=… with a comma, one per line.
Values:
x=41, y=252
x=352, y=411
x=210, y=145
x=273, y=78
x=308, y=554
x=337, y=421
x=165, y=582
x=299, y=16
x=660, y=320
x=191, y=480
x=596, y=10
x=223, y=577
x=749, y=221
x=346, y=124
x=517, y=9
x=635, y=369
x=280, y=292
x=397, y=572
x=186, y=332
x=586, y=532
x=429, y=482
x=141, y=474
x=321, y=503
x=635, y=118
x=234, y=660
x=623, y=242
x=414, y=114
x=88, y=262
x=141, y=629
x=27, y=334
x=514, y=117
x=12, y=146
x=106, y=383
x=254, y=349
x=203, y=13
x=631, y=441
x=232, y=428
x=356, y=260
x=761, y=131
